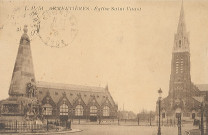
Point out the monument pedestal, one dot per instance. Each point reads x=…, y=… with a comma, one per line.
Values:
x=17, y=108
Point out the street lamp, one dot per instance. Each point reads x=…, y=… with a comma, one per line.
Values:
x=150, y=118
x=178, y=115
x=159, y=100
x=179, y=124
x=202, y=116
x=206, y=111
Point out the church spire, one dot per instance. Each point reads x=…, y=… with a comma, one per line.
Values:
x=181, y=24
x=181, y=41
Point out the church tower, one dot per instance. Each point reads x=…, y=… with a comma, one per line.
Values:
x=23, y=73
x=180, y=78
x=183, y=98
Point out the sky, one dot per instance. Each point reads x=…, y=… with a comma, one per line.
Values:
x=130, y=51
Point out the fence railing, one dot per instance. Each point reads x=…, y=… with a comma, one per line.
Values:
x=21, y=126
x=32, y=126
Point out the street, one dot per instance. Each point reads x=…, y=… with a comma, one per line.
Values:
x=127, y=130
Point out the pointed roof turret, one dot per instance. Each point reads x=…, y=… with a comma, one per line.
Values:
x=23, y=72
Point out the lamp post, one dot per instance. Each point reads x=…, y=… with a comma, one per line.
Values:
x=150, y=118
x=159, y=102
x=179, y=124
x=206, y=111
x=178, y=115
x=202, y=117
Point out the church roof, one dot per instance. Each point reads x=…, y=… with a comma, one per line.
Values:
x=202, y=87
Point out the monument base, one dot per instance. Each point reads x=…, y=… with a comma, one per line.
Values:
x=19, y=108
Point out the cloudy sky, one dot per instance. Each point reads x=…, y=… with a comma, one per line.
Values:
x=128, y=50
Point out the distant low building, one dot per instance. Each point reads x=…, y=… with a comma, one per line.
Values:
x=146, y=116
x=126, y=115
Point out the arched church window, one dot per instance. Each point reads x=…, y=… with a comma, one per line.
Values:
x=64, y=109
x=79, y=110
x=93, y=111
x=179, y=43
x=47, y=109
x=106, y=111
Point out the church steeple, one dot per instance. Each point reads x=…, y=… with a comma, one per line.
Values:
x=180, y=79
x=23, y=72
x=181, y=42
x=181, y=23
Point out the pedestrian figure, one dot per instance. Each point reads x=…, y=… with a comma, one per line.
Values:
x=138, y=121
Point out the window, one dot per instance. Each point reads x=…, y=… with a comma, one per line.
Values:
x=176, y=69
x=79, y=110
x=181, y=70
x=93, y=111
x=47, y=109
x=56, y=93
x=163, y=115
x=106, y=111
x=179, y=43
x=64, y=109
x=193, y=115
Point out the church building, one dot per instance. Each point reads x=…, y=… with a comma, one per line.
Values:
x=29, y=99
x=184, y=98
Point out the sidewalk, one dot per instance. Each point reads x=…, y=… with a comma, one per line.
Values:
x=45, y=133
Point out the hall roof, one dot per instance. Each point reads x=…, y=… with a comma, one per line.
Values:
x=72, y=92
x=70, y=87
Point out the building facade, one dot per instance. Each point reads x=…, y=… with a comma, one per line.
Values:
x=76, y=101
x=29, y=99
x=184, y=98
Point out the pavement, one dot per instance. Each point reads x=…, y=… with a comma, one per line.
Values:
x=46, y=133
x=125, y=128
x=129, y=130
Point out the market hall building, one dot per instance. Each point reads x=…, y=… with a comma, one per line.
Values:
x=29, y=99
x=76, y=101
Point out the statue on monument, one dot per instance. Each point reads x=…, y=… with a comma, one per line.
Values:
x=31, y=89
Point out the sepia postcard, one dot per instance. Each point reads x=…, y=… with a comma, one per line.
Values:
x=115, y=67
